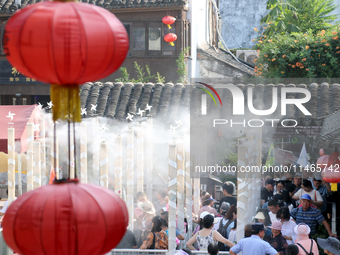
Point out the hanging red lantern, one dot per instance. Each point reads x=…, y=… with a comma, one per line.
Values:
x=65, y=44
x=170, y=38
x=169, y=20
x=327, y=160
x=331, y=174
x=65, y=219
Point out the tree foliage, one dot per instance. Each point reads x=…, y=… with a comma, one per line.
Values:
x=288, y=16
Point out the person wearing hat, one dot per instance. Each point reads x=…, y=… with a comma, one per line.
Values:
x=262, y=216
x=200, y=225
x=144, y=220
x=330, y=246
x=276, y=239
x=307, y=188
x=267, y=191
x=321, y=186
x=206, y=236
x=304, y=243
x=223, y=211
x=309, y=215
x=208, y=203
x=254, y=245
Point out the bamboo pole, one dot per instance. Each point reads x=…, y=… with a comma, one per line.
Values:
x=71, y=159
x=140, y=158
x=118, y=165
x=83, y=153
x=172, y=198
x=149, y=159
x=104, y=165
x=30, y=139
x=188, y=190
x=96, y=147
x=19, y=176
x=36, y=165
x=241, y=194
x=43, y=152
x=180, y=187
x=11, y=164
x=55, y=153
x=130, y=174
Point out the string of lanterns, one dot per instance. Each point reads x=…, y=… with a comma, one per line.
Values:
x=170, y=37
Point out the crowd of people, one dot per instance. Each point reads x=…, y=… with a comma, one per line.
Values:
x=292, y=211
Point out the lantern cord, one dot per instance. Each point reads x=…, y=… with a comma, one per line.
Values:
x=75, y=152
x=69, y=148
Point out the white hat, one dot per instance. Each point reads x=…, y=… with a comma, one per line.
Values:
x=146, y=207
x=205, y=213
x=260, y=216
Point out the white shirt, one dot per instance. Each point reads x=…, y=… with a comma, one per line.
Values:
x=314, y=193
x=4, y=208
x=233, y=236
x=288, y=227
x=272, y=217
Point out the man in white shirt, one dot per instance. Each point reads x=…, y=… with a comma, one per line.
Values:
x=307, y=188
x=273, y=207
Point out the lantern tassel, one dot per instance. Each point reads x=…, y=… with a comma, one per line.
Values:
x=66, y=102
x=334, y=186
x=172, y=44
x=169, y=26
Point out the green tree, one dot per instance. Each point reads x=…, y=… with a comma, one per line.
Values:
x=182, y=66
x=287, y=16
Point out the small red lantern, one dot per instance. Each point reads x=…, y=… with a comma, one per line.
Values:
x=65, y=44
x=169, y=20
x=170, y=38
x=331, y=174
x=65, y=218
x=327, y=160
x=330, y=165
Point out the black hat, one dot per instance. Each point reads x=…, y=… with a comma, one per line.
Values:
x=279, y=199
x=257, y=227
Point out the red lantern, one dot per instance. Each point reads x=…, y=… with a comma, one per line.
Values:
x=170, y=38
x=67, y=44
x=64, y=219
x=169, y=20
x=327, y=160
x=331, y=174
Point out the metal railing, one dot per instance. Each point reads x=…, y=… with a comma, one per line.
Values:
x=151, y=252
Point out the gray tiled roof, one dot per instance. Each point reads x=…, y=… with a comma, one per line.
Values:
x=116, y=100
x=9, y=6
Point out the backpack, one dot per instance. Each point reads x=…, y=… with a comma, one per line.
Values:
x=223, y=231
x=311, y=248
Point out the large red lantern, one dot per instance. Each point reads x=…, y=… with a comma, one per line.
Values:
x=65, y=219
x=169, y=20
x=330, y=165
x=170, y=38
x=65, y=44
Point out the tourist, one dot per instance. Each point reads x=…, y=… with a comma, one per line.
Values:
x=223, y=211
x=297, y=182
x=310, y=216
x=161, y=201
x=288, y=194
x=322, y=189
x=254, y=245
x=208, y=203
x=247, y=230
x=157, y=239
x=304, y=243
x=276, y=240
x=330, y=246
x=206, y=236
x=200, y=224
x=307, y=188
x=128, y=241
x=292, y=249
x=144, y=214
x=165, y=216
x=225, y=226
x=280, y=185
x=262, y=216
x=287, y=224
x=267, y=191
x=213, y=249
x=228, y=191
x=233, y=232
x=273, y=207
